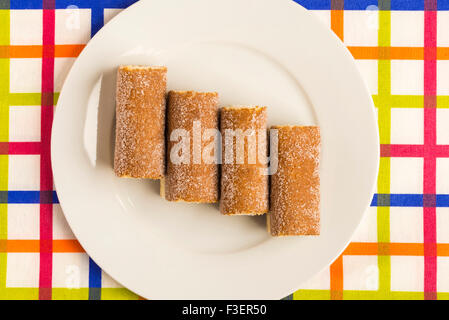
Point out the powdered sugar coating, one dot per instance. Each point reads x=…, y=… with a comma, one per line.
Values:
x=295, y=187
x=140, y=122
x=191, y=182
x=244, y=186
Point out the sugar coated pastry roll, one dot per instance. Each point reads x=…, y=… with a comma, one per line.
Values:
x=244, y=179
x=295, y=187
x=140, y=122
x=192, y=140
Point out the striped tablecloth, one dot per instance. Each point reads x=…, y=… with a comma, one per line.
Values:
x=401, y=250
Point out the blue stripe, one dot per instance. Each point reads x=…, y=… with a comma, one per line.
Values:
x=25, y=4
x=406, y=200
x=94, y=4
x=315, y=4
x=360, y=4
x=23, y=196
x=442, y=200
x=396, y=200
x=412, y=200
x=406, y=5
x=401, y=200
x=412, y=5
x=94, y=275
x=97, y=20
x=28, y=197
x=443, y=5
x=374, y=201
x=82, y=4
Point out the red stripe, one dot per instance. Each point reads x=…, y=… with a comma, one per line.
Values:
x=24, y=148
x=20, y=147
x=430, y=265
x=46, y=182
x=406, y=150
x=415, y=150
x=442, y=151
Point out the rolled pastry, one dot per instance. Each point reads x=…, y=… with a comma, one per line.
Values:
x=192, y=173
x=140, y=122
x=295, y=187
x=244, y=180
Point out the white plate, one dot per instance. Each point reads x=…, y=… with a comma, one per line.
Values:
x=269, y=52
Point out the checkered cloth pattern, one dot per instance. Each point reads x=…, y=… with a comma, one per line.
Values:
x=401, y=250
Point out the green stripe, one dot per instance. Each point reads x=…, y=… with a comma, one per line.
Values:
x=65, y=293
x=4, y=81
x=117, y=294
x=70, y=294
x=125, y=294
x=4, y=106
x=83, y=294
x=312, y=295
x=383, y=213
x=384, y=263
x=4, y=137
x=364, y=295
x=24, y=99
x=406, y=101
x=384, y=78
x=398, y=101
x=403, y=101
x=3, y=256
x=19, y=293
x=3, y=172
x=384, y=118
x=384, y=122
x=443, y=296
x=384, y=34
x=4, y=27
x=379, y=295
x=443, y=101
x=28, y=99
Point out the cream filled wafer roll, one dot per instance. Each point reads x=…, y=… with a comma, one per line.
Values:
x=295, y=187
x=192, y=140
x=140, y=122
x=244, y=179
